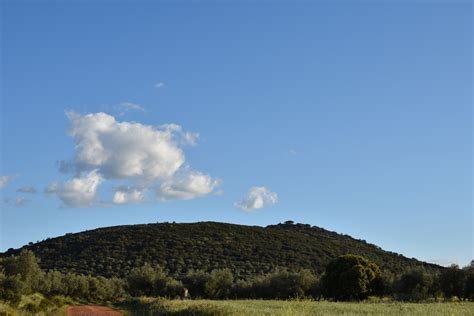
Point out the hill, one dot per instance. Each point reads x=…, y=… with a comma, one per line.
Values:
x=246, y=250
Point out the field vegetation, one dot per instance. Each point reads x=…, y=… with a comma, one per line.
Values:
x=147, y=306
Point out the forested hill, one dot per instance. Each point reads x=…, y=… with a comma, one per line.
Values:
x=246, y=250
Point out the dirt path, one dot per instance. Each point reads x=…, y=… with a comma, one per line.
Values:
x=91, y=310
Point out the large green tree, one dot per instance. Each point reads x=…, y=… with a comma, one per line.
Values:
x=350, y=277
x=452, y=281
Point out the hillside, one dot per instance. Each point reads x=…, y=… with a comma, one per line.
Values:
x=246, y=250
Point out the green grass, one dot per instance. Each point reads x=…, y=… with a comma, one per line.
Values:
x=147, y=306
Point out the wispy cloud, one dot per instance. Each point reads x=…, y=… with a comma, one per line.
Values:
x=125, y=107
x=4, y=180
x=17, y=201
x=20, y=201
x=160, y=85
x=26, y=189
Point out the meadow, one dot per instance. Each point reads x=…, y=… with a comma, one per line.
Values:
x=146, y=306
x=160, y=306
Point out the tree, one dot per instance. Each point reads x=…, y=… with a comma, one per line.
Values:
x=350, y=277
x=285, y=284
x=141, y=281
x=452, y=281
x=469, y=281
x=219, y=284
x=25, y=270
x=195, y=282
x=149, y=281
x=414, y=285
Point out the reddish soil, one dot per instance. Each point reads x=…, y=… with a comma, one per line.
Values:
x=91, y=310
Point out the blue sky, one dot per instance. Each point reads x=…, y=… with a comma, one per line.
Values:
x=355, y=116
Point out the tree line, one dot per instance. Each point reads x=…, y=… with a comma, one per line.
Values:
x=347, y=277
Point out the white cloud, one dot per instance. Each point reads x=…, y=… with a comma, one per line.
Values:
x=129, y=106
x=77, y=192
x=124, y=149
x=4, y=180
x=185, y=138
x=257, y=197
x=292, y=152
x=160, y=85
x=126, y=195
x=26, y=189
x=188, y=185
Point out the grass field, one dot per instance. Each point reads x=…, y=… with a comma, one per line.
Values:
x=287, y=308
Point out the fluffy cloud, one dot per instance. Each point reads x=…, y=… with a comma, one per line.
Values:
x=77, y=192
x=121, y=149
x=26, y=189
x=126, y=195
x=147, y=157
x=4, y=180
x=187, y=186
x=257, y=197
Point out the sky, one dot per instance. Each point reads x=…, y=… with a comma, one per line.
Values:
x=355, y=116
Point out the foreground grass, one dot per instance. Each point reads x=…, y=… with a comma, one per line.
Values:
x=147, y=306
x=36, y=304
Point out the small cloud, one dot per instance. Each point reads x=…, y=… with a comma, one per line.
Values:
x=27, y=189
x=129, y=106
x=183, y=137
x=127, y=195
x=18, y=201
x=4, y=180
x=160, y=85
x=188, y=185
x=257, y=198
x=444, y=262
x=77, y=192
x=292, y=152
